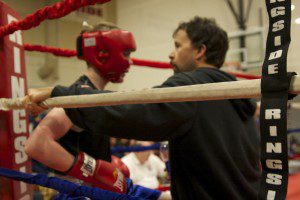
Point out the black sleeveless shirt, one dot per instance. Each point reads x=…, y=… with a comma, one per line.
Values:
x=78, y=139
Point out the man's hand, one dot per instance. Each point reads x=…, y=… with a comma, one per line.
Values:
x=35, y=97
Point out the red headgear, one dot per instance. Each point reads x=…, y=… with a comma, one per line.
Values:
x=105, y=50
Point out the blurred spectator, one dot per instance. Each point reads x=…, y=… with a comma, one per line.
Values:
x=145, y=167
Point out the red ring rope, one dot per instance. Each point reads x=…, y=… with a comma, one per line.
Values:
x=135, y=61
x=53, y=50
x=55, y=11
x=294, y=157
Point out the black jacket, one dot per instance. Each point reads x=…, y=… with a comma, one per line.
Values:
x=213, y=145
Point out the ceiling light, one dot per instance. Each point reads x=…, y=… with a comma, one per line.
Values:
x=293, y=7
x=297, y=21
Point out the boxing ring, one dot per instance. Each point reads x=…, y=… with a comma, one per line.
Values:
x=15, y=121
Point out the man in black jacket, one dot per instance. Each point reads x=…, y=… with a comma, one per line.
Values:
x=213, y=145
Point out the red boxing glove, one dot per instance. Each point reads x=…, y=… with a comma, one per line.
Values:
x=120, y=165
x=99, y=173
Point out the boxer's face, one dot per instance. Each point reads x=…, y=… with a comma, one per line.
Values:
x=184, y=56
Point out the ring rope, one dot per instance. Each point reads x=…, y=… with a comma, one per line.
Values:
x=135, y=61
x=53, y=50
x=294, y=131
x=55, y=11
x=65, y=187
x=213, y=91
x=199, y=92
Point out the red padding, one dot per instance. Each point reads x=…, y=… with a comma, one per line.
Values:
x=13, y=124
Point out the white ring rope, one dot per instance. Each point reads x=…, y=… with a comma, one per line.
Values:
x=200, y=92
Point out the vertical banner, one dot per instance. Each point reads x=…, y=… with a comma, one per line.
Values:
x=13, y=124
x=273, y=114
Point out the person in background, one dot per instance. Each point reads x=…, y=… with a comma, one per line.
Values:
x=145, y=167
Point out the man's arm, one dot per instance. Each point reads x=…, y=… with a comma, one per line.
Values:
x=154, y=122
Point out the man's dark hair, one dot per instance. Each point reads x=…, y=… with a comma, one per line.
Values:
x=206, y=31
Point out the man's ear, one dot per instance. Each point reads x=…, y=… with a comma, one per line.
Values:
x=201, y=52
